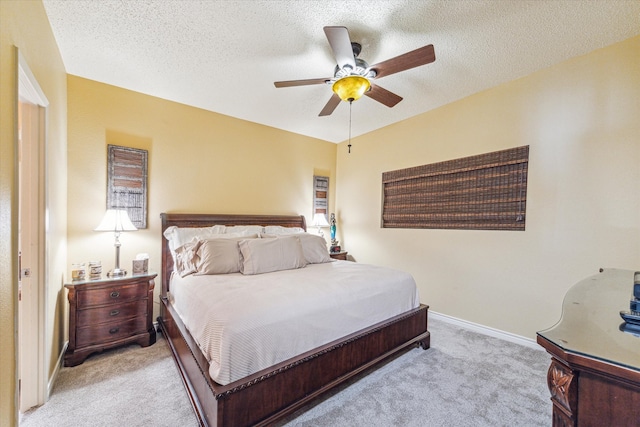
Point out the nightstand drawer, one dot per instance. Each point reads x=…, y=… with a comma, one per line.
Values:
x=111, y=295
x=112, y=313
x=103, y=333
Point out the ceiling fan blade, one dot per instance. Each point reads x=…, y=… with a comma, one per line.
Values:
x=290, y=83
x=331, y=105
x=383, y=96
x=415, y=58
x=341, y=45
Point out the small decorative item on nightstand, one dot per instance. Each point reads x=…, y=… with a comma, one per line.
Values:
x=78, y=271
x=140, y=264
x=335, y=246
x=95, y=270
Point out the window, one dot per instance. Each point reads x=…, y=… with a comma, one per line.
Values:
x=483, y=192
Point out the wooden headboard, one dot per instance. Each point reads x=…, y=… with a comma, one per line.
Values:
x=206, y=220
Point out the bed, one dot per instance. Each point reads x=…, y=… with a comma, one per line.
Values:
x=271, y=393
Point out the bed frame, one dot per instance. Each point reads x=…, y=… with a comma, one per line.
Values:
x=269, y=395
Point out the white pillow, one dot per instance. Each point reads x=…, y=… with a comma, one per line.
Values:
x=244, y=229
x=267, y=255
x=278, y=230
x=234, y=236
x=178, y=236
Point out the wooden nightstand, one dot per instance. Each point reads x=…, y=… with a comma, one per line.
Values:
x=339, y=255
x=107, y=313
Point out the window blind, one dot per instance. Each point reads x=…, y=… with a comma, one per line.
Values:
x=483, y=192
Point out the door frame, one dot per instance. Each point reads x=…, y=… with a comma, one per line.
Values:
x=30, y=91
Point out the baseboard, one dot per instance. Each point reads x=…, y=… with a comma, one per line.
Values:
x=485, y=330
x=56, y=371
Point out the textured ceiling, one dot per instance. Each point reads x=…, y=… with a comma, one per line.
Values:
x=224, y=56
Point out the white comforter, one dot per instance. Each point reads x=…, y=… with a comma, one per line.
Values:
x=244, y=324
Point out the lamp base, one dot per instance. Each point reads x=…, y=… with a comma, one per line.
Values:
x=117, y=272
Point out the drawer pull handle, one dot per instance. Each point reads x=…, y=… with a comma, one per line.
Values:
x=113, y=330
x=115, y=294
x=114, y=312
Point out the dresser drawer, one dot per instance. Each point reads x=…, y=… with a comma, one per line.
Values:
x=111, y=295
x=105, y=332
x=111, y=313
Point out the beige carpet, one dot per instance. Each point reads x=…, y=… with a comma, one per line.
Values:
x=128, y=386
x=465, y=379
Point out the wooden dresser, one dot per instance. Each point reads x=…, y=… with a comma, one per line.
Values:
x=594, y=377
x=107, y=313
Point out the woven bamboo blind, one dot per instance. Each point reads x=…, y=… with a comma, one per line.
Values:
x=484, y=192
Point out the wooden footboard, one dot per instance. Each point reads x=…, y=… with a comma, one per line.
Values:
x=271, y=394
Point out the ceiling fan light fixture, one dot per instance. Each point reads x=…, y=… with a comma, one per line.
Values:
x=351, y=88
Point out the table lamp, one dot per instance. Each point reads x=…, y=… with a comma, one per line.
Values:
x=320, y=220
x=116, y=220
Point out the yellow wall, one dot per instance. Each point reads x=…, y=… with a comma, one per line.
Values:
x=581, y=119
x=199, y=161
x=24, y=24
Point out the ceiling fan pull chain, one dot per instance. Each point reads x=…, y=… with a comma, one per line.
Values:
x=349, y=146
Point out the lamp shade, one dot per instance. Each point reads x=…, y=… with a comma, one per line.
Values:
x=116, y=220
x=319, y=220
x=351, y=88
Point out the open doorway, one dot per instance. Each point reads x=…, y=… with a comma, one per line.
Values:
x=32, y=367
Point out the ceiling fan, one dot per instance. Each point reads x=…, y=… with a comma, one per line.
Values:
x=353, y=77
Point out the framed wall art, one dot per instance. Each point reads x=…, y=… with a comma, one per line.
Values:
x=127, y=182
x=321, y=196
